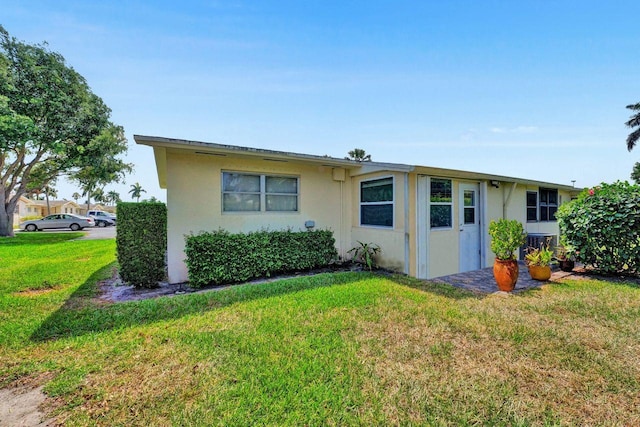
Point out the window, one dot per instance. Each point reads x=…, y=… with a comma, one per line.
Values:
x=281, y=193
x=441, y=203
x=376, y=202
x=469, y=207
x=257, y=193
x=548, y=204
x=532, y=206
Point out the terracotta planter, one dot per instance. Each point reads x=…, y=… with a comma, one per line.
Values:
x=540, y=272
x=506, y=274
x=566, y=264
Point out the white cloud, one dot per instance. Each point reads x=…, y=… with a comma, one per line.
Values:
x=517, y=129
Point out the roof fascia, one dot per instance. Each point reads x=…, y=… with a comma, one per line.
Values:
x=453, y=173
x=208, y=148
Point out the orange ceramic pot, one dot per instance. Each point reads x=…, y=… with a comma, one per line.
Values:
x=540, y=272
x=506, y=274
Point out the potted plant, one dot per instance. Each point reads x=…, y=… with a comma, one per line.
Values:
x=564, y=256
x=506, y=237
x=539, y=262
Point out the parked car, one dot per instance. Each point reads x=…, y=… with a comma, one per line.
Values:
x=103, y=221
x=102, y=214
x=74, y=222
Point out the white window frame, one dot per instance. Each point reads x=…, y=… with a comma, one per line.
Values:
x=263, y=193
x=527, y=206
x=392, y=203
x=453, y=197
x=547, y=205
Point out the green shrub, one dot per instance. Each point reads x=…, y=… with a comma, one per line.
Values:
x=507, y=235
x=603, y=225
x=221, y=257
x=365, y=254
x=142, y=243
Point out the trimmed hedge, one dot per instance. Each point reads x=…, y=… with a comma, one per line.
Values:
x=219, y=257
x=142, y=243
x=603, y=227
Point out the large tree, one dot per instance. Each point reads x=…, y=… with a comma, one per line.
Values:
x=51, y=124
x=633, y=123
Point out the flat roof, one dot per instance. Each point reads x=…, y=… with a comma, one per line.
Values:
x=356, y=168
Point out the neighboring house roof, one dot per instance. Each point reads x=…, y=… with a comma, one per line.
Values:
x=52, y=203
x=161, y=144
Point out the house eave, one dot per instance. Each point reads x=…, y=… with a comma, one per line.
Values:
x=478, y=176
x=162, y=144
x=223, y=150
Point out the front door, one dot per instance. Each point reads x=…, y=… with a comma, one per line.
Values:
x=469, y=222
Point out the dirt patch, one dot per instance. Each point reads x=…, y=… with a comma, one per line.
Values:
x=21, y=407
x=36, y=292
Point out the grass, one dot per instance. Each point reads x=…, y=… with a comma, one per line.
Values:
x=336, y=349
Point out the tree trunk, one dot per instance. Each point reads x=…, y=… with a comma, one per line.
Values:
x=6, y=214
x=6, y=224
x=46, y=195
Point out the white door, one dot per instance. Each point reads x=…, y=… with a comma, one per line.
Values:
x=469, y=223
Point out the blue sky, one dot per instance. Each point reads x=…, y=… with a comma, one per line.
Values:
x=533, y=89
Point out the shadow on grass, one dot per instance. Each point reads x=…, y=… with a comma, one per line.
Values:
x=81, y=314
x=433, y=287
x=27, y=238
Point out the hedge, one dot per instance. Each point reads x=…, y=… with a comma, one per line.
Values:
x=220, y=257
x=141, y=243
x=602, y=226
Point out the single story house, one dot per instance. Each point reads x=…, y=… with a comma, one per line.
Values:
x=428, y=221
x=33, y=208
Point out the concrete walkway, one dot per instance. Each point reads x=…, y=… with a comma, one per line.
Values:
x=482, y=281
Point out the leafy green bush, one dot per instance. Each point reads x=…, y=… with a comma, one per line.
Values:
x=141, y=243
x=507, y=235
x=603, y=225
x=365, y=254
x=221, y=257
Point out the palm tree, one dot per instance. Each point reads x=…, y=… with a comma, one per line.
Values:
x=634, y=122
x=136, y=191
x=49, y=191
x=359, y=155
x=75, y=196
x=635, y=175
x=114, y=197
x=98, y=195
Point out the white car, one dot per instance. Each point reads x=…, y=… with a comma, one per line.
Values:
x=102, y=215
x=74, y=222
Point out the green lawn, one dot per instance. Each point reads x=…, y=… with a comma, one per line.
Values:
x=336, y=349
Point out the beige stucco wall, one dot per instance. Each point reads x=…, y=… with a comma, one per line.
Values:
x=517, y=209
x=390, y=240
x=194, y=202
